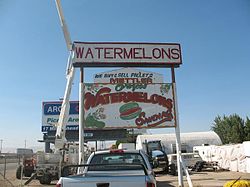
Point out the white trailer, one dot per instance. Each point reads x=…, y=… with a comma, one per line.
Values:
x=188, y=141
x=126, y=146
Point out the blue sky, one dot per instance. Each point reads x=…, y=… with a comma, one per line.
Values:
x=214, y=37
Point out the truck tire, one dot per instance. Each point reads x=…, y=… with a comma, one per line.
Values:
x=200, y=166
x=28, y=173
x=18, y=172
x=166, y=170
x=172, y=169
x=45, y=179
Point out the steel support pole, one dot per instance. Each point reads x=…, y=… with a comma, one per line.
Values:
x=1, y=145
x=4, y=170
x=81, y=117
x=177, y=130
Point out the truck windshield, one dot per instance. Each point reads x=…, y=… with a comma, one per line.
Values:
x=154, y=146
x=121, y=159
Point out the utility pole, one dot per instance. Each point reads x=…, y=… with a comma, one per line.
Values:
x=1, y=145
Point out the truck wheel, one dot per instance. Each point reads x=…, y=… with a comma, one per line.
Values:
x=172, y=169
x=27, y=173
x=195, y=166
x=166, y=170
x=199, y=166
x=45, y=179
x=18, y=172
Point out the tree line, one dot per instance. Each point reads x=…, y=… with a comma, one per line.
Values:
x=232, y=128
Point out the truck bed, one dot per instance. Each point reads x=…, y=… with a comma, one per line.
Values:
x=105, y=181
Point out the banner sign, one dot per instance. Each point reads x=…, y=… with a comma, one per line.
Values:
x=51, y=112
x=128, y=75
x=116, y=106
x=123, y=54
x=128, y=106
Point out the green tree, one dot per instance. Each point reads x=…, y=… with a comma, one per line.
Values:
x=236, y=133
x=247, y=130
x=231, y=129
x=219, y=128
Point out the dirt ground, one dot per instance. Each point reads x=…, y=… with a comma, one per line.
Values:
x=199, y=179
x=202, y=179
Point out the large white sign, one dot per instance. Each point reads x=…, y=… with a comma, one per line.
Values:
x=128, y=106
x=128, y=75
x=120, y=54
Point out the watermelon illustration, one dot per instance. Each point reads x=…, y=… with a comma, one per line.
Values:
x=129, y=111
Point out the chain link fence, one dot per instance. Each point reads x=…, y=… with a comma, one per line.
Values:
x=9, y=163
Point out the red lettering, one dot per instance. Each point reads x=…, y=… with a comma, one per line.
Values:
x=154, y=98
x=118, y=51
x=79, y=52
x=139, y=121
x=115, y=97
x=175, y=53
x=103, y=97
x=99, y=52
x=89, y=101
x=129, y=97
x=146, y=100
x=103, y=90
x=153, y=120
x=155, y=55
x=168, y=103
x=89, y=52
x=167, y=53
x=100, y=100
x=139, y=97
x=129, y=54
x=130, y=80
x=144, y=54
x=137, y=53
x=123, y=96
x=107, y=53
x=113, y=81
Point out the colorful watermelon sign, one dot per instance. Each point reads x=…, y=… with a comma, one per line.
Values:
x=128, y=105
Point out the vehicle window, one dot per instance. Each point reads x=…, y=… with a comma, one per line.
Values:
x=157, y=153
x=116, y=158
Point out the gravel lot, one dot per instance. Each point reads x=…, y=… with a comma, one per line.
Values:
x=204, y=179
x=199, y=179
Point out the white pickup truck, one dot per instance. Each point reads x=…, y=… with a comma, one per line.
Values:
x=112, y=168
